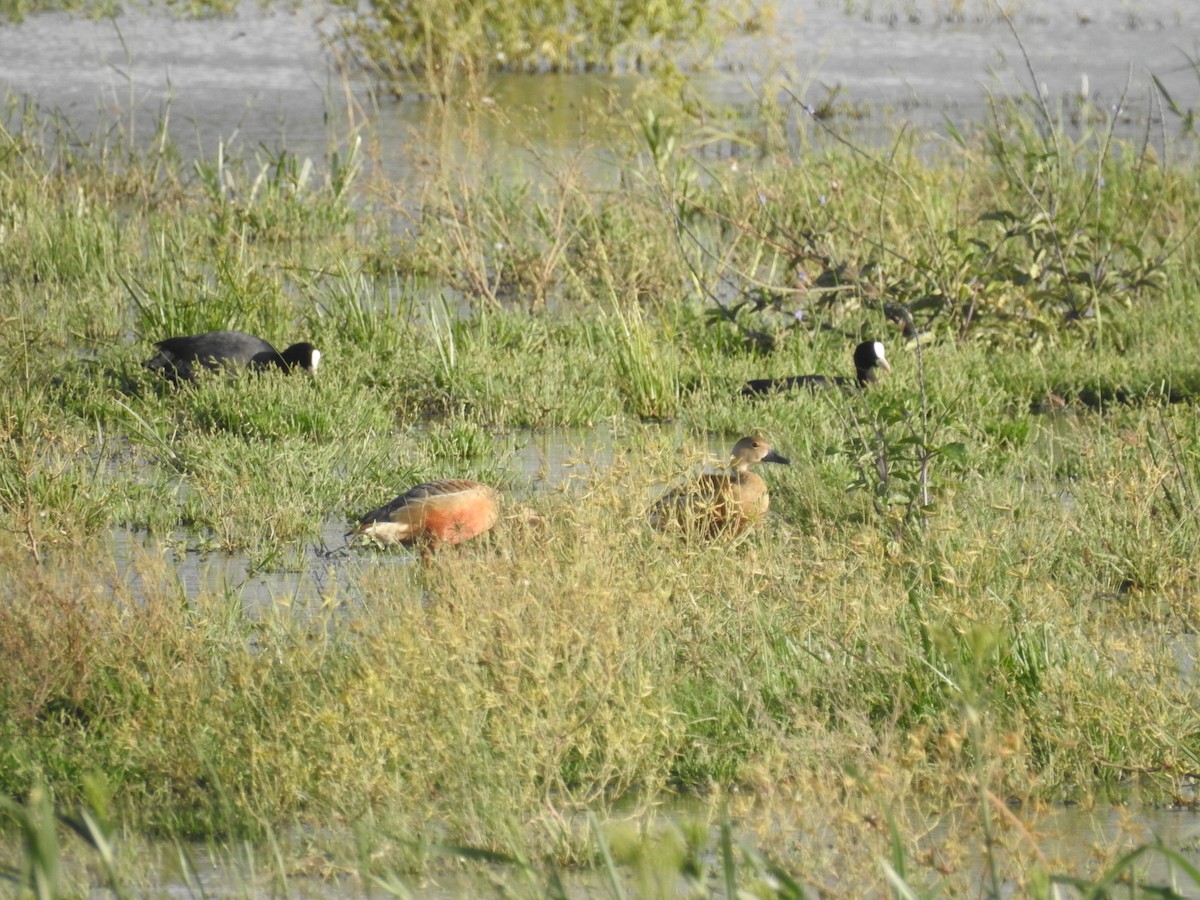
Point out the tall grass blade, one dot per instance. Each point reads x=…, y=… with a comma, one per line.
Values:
x=612, y=877
x=900, y=887
x=728, y=860
x=41, y=871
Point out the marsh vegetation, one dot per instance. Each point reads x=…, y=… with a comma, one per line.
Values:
x=975, y=596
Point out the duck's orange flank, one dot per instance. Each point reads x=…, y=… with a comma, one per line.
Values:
x=437, y=512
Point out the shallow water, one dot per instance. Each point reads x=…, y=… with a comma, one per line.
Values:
x=926, y=65
x=1067, y=840
x=268, y=77
x=319, y=574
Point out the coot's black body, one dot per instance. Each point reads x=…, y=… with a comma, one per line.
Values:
x=184, y=357
x=868, y=359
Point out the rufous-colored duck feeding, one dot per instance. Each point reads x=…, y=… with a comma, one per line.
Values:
x=438, y=512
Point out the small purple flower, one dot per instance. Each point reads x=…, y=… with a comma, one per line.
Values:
x=822, y=200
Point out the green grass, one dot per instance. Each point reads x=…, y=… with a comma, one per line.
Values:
x=958, y=597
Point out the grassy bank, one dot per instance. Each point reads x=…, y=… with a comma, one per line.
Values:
x=976, y=588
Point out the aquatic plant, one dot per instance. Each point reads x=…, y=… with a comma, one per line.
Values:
x=434, y=44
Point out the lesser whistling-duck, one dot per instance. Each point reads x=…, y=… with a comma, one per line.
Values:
x=721, y=502
x=185, y=357
x=868, y=358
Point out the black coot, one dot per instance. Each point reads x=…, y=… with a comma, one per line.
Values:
x=183, y=357
x=868, y=358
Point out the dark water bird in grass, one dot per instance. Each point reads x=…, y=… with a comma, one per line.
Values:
x=435, y=513
x=185, y=357
x=721, y=502
x=869, y=357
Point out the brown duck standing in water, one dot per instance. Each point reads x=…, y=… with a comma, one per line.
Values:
x=724, y=502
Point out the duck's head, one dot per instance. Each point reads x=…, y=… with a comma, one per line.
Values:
x=750, y=451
